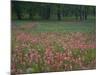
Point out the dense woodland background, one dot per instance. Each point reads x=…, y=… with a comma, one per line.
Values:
x=50, y=11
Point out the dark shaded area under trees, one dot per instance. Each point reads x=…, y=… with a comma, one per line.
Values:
x=46, y=11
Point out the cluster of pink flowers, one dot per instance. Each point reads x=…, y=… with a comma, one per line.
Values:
x=20, y=58
x=33, y=56
x=78, y=41
x=25, y=37
x=24, y=52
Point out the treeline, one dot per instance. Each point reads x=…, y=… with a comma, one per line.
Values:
x=46, y=11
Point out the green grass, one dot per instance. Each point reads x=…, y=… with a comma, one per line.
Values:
x=61, y=26
x=64, y=27
x=89, y=56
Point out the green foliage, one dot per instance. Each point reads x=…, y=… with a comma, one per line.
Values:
x=39, y=47
x=57, y=47
x=89, y=56
x=47, y=11
x=76, y=53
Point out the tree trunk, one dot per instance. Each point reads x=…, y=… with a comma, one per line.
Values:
x=30, y=14
x=47, y=14
x=18, y=15
x=85, y=13
x=59, y=12
x=17, y=11
x=80, y=12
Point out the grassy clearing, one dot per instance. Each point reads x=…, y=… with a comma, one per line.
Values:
x=65, y=27
x=53, y=46
x=55, y=26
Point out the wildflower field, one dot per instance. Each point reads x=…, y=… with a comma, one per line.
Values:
x=51, y=46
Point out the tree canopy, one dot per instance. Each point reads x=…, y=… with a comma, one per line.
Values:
x=49, y=11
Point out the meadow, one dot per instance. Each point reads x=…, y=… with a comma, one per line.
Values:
x=52, y=46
